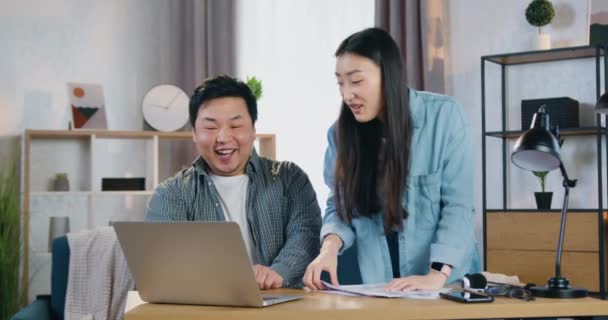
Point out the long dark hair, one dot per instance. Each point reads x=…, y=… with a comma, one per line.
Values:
x=365, y=165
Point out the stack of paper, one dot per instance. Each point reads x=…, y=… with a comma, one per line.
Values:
x=377, y=290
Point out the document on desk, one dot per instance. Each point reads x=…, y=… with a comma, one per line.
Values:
x=377, y=290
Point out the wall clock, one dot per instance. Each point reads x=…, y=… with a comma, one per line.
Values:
x=165, y=107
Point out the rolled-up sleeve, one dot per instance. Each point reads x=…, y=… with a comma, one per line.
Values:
x=455, y=231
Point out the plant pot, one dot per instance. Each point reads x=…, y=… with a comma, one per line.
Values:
x=543, y=200
x=61, y=184
x=541, y=41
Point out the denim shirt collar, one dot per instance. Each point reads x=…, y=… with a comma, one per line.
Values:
x=253, y=165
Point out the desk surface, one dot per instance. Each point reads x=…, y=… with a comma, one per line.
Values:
x=316, y=305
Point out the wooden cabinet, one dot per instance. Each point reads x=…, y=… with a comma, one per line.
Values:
x=87, y=157
x=524, y=243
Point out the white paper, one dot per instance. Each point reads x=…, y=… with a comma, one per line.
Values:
x=133, y=300
x=377, y=290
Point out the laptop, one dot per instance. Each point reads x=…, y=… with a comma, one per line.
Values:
x=199, y=263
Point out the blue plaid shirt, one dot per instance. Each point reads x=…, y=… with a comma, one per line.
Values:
x=282, y=211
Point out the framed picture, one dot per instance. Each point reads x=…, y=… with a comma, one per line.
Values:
x=88, y=106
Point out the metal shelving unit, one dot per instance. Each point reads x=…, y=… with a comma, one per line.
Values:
x=530, y=57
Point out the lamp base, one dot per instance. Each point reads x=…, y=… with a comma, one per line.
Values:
x=558, y=288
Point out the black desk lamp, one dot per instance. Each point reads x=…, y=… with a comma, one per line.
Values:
x=602, y=104
x=538, y=150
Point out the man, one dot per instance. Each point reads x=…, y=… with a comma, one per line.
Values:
x=273, y=202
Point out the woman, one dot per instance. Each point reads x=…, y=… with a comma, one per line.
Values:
x=400, y=168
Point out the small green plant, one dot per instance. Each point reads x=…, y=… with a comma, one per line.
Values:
x=10, y=248
x=61, y=176
x=542, y=175
x=255, y=86
x=540, y=13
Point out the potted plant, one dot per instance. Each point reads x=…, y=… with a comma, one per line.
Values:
x=10, y=239
x=540, y=13
x=543, y=198
x=61, y=182
x=255, y=86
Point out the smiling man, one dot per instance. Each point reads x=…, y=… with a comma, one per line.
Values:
x=273, y=202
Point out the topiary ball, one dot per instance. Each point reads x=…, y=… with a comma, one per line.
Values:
x=540, y=13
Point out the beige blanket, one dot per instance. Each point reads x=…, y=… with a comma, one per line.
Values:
x=98, y=278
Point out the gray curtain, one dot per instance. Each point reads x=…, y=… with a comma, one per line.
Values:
x=206, y=41
x=402, y=19
x=206, y=46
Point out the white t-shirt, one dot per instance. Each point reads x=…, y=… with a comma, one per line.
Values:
x=233, y=197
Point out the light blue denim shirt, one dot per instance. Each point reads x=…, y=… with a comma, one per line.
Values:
x=438, y=198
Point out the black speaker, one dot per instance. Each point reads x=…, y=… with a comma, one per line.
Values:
x=598, y=34
x=123, y=184
x=563, y=111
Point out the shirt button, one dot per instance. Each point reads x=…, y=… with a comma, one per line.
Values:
x=209, y=183
x=217, y=204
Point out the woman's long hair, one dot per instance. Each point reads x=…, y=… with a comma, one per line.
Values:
x=366, y=166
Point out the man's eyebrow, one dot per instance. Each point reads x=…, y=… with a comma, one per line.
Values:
x=210, y=119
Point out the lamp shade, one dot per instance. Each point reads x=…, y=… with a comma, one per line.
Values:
x=602, y=104
x=537, y=149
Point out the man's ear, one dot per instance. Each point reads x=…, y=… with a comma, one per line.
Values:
x=194, y=134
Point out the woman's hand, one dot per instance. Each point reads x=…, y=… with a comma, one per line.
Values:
x=434, y=280
x=327, y=260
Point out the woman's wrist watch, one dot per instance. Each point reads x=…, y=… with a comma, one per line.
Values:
x=444, y=268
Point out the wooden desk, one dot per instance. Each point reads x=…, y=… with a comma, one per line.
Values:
x=316, y=306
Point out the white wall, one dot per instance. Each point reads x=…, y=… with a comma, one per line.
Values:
x=290, y=46
x=123, y=45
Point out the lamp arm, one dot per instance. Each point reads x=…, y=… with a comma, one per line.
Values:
x=567, y=184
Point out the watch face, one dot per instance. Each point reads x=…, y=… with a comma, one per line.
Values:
x=165, y=108
x=437, y=266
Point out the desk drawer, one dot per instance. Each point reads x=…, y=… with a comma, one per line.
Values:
x=581, y=268
x=540, y=230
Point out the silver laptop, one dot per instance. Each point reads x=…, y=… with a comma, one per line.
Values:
x=201, y=263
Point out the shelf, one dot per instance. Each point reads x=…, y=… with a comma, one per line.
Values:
x=60, y=193
x=522, y=240
x=539, y=211
x=89, y=193
x=584, y=131
x=53, y=134
x=89, y=155
x=559, y=54
x=126, y=193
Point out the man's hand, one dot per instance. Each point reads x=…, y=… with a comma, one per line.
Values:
x=434, y=280
x=266, y=277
